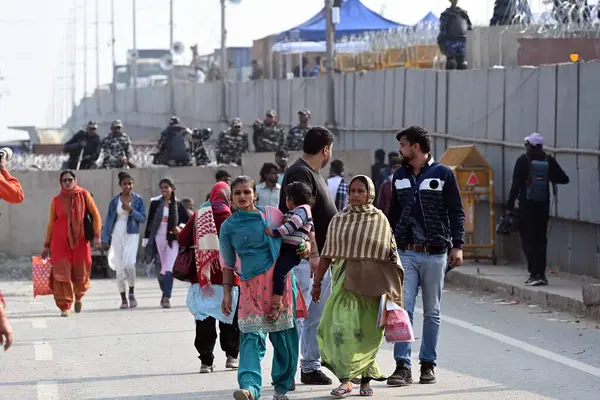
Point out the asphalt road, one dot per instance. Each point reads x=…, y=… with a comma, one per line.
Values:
x=488, y=350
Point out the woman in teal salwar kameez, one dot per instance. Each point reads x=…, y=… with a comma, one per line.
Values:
x=242, y=235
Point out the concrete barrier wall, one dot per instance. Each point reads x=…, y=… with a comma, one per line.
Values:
x=23, y=227
x=493, y=108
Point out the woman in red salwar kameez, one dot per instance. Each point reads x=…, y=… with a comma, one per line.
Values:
x=70, y=252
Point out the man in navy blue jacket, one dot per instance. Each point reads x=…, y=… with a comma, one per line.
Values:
x=428, y=218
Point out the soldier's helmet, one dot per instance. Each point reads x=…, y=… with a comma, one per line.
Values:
x=304, y=111
x=271, y=113
x=116, y=124
x=236, y=123
x=174, y=120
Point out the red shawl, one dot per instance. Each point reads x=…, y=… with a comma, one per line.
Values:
x=75, y=203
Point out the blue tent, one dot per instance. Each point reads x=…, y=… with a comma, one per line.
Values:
x=355, y=19
x=430, y=18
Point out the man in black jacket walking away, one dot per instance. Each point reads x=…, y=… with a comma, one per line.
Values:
x=534, y=172
x=454, y=24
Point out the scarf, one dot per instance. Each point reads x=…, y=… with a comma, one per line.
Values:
x=220, y=198
x=256, y=250
x=361, y=235
x=207, y=223
x=359, y=232
x=75, y=204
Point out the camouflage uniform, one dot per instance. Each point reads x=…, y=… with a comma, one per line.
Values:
x=231, y=145
x=199, y=136
x=268, y=138
x=115, y=147
x=295, y=137
x=200, y=153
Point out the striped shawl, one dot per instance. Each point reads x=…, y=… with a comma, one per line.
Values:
x=362, y=236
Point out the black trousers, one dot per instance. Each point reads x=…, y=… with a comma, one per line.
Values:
x=533, y=227
x=206, y=338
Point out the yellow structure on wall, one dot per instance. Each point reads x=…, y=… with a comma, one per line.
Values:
x=476, y=182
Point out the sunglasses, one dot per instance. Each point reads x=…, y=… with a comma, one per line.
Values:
x=67, y=180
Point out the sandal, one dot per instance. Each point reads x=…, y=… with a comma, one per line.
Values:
x=341, y=392
x=243, y=394
x=368, y=392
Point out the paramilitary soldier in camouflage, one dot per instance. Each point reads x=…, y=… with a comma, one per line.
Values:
x=232, y=143
x=116, y=147
x=199, y=136
x=295, y=137
x=268, y=136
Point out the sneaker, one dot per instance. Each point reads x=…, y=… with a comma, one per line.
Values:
x=132, y=301
x=232, y=363
x=402, y=376
x=65, y=313
x=165, y=302
x=124, y=305
x=529, y=280
x=541, y=281
x=206, y=369
x=314, y=378
x=427, y=373
x=78, y=306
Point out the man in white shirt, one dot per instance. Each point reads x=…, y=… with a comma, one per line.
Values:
x=268, y=190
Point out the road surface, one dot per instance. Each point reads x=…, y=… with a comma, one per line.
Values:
x=489, y=350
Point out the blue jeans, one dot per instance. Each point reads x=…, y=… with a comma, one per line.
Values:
x=427, y=271
x=164, y=281
x=307, y=328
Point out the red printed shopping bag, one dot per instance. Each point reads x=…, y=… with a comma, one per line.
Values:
x=40, y=273
x=397, y=326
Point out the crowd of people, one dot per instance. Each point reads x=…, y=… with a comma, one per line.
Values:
x=307, y=268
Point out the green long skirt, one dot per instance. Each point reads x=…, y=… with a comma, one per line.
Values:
x=348, y=337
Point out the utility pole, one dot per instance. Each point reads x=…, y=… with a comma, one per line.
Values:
x=74, y=66
x=133, y=61
x=171, y=72
x=97, y=23
x=85, y=57
x=223, y=61
x=330, y=36
x=114, y=57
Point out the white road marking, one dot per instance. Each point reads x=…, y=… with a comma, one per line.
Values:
x=43, y=351
x=39, y=324
x=583, y=367
x=47, y=390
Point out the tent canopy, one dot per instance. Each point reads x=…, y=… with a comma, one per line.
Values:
x=430, y=18
x=355, y=18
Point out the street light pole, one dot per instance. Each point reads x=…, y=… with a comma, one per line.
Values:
x=114, y=56
x=85, y=57
x=223, y=61
x=330, y=37
x=97, y=23
x=171, y=72
x=133, y=61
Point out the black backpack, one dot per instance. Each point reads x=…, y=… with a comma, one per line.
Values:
x=456, y=25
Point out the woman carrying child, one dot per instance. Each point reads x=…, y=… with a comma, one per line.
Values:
x=242, y=235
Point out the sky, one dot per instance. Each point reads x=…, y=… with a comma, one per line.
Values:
x=38, y=40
